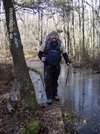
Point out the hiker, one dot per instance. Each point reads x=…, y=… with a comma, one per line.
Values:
x=50, y=53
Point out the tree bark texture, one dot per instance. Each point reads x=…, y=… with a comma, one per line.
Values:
x=27, y=93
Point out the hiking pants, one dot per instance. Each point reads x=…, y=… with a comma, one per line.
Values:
x=51, y=75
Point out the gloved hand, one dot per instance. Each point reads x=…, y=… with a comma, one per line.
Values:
x=43, y=59
x=69, y=65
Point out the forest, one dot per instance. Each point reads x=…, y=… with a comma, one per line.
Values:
x=77, y=22
x=24, y=25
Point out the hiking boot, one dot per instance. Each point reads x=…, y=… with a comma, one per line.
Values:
x=56, y=98
x=49, y=101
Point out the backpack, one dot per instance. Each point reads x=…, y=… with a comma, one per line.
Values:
x=53, y=57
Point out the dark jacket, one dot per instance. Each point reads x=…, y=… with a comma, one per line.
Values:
x=53, y=54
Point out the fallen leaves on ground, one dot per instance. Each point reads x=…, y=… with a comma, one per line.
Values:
x=16, y=121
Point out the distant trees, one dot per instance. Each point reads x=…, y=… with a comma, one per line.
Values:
x=77, y=21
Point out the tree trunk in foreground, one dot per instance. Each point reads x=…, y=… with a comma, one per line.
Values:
x=27, y=93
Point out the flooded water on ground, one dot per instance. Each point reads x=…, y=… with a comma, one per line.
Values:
x=82, y=90
x=80, y=97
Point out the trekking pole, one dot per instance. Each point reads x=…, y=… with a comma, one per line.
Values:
x=67, y=77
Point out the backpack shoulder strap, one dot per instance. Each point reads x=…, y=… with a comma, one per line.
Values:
x=47, y=44
x=59, y=42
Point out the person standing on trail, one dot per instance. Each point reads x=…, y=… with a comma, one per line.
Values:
x=50, y=53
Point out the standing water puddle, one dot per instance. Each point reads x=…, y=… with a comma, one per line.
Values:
x=80, y=99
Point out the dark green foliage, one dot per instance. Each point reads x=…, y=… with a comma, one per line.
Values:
x=32, y=128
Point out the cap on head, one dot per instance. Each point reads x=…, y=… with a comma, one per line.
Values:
x=53, y=32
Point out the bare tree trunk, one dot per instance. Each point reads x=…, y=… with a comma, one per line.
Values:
x=64, y=28
x=27, y=93
x=0, y=25
x=46, y=27
x=93, y=35
x=80, y=34
x=99, y=22
x=83, y=36
x=54, y=21
x=41, y=27
x=68, y=34
x=73, y=34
